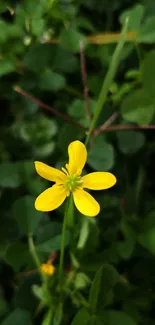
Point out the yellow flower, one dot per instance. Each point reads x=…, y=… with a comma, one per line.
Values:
x=47, y=268
x=69, y=181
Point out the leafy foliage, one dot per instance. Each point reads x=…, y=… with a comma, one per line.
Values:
x=109, y=261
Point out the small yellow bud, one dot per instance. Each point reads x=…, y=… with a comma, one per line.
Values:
x=47, y=269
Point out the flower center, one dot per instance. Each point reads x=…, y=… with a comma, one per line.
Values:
x=72, y=182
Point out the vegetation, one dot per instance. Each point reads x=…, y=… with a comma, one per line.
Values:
x=77, y=70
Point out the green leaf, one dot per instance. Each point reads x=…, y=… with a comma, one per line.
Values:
x=70, y=39
x=37, y=26
x=24, y=297
x=50, y=80
x=125, y=248
x=27, y=217
x=130, y=142
x=78, y=110
x=49, y=237
x=82, y=317
x=69, y=133
x=147, y=240
x=147, y=31
x=38, y=57
x=81, y=281
x=18, y=317
x=101, y=289
x=112, y=317
x=44, y=150
x=3, y=306
x=47, y=231
x=64, y=61
x=52, y=244
x=10, y=175
x=136, y=14
x=3, y=31
x=58, y=315
x=101, y=154
x=149, y=73
x=39, y=131
x=48, y=317
x=17, y=255
x=138, y=107
x=6, y=67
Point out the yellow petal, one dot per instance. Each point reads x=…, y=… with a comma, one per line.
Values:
x=51, y=198
x=98, y=180
x=50, y=173
x=85, y=203
x=77, y=157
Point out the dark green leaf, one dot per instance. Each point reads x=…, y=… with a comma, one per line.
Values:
x=58, y=315
x=149, y=74
x=136, y=14
x=26, y=215
x=69, y=133
x=78, y=110
x=10, y=175
x=52, y=244
x=147, y=31
x=6, y=67
x=82, y=317
x=138, y=107
x=51, y=81
x=17, y=255
x=101, y=289
x=70, y=39
x=38, y=56
x=112, y=317
x=47, y=231
x=101, y=154
x=18, y=317
x=130, y=142
x=147, y=240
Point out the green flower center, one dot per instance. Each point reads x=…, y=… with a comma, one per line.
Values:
x=72, y=182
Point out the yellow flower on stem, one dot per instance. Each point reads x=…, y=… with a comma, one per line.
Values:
x=47, y=269
x=69, y=180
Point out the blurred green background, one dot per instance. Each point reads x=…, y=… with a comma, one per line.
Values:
x=40, y=87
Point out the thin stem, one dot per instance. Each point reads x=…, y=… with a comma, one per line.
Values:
x=35, y=256
x=128, y=127
x=33, y=251
x=62, y=250
x=47, y=107
x=103, y=38
x=107, y=123
x=84, y=80
x=108, y=79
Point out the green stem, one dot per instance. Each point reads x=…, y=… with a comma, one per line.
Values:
x=62, y=250
x=33, y=251
x=35, y=256
x=108, y=79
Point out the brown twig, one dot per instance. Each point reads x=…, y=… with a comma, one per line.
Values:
x=129, y=127
x=84, y=80
x=107, y=123
x=104, y=127
x=47, y=107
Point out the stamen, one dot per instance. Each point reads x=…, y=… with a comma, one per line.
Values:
x=73, y=182
x=65, y=171
x=67, y=165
